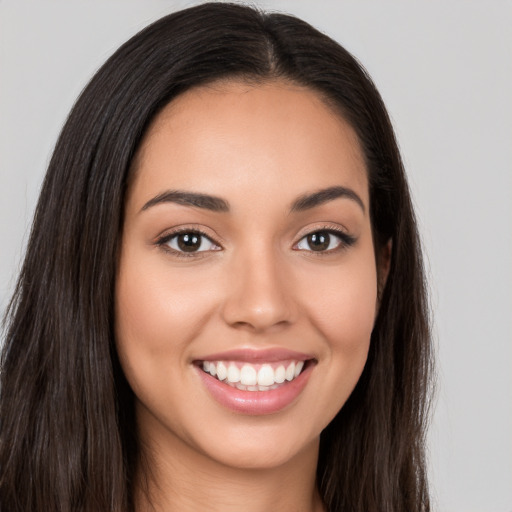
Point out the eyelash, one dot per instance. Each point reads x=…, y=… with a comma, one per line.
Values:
x=165, y=239
x=346, y=241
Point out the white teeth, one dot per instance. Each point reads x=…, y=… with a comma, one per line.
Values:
x=290, y=371
x=222, y=371
x=253, y=377
x=266, y=375
x=248, y=375
x=233, y=373
x=252, y=388
x=279, y=375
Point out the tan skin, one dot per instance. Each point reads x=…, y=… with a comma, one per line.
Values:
x=254, y=280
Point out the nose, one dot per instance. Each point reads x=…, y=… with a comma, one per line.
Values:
x=259, y=296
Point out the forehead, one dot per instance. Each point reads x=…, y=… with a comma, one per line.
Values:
x=232, y=136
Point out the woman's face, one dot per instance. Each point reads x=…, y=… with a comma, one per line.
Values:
x=247, y=284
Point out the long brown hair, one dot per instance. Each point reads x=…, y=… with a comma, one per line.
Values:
x=67, y=429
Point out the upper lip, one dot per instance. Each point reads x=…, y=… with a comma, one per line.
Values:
x=257, y=355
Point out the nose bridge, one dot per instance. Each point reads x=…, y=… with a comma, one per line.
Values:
x=259, y=295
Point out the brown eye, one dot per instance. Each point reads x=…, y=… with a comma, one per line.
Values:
x=189, y=242
x=324, y=241
x=319, y=241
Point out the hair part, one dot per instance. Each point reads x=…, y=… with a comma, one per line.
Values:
x=67, y=428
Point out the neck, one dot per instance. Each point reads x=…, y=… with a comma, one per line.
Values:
x=174, y=476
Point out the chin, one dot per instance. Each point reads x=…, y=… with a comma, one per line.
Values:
x=273, y=454
x=265, y=444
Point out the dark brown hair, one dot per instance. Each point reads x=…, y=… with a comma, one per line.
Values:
x=67, y=430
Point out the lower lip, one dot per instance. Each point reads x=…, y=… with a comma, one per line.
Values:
x=256, y=402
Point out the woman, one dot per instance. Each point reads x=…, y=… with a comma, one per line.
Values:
x=222, y=304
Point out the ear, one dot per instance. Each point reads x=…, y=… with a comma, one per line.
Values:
x=383, y=266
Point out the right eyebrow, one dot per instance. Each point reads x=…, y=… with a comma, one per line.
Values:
x=205, y=201
x=309, y=201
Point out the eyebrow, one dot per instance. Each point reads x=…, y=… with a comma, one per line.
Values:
x=217, y=204
x=207, y=202
x=309, y=201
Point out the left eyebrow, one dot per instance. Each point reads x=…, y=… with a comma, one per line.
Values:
x=308, y=201
x=207, y=202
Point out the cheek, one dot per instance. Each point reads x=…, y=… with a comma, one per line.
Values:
x=158, y=314
x=341, y=309
x=342, y=304
x=156, y=306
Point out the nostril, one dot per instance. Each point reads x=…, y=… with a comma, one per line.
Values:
x=258, y=300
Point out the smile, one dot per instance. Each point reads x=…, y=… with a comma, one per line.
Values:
x=254, y=377
x=256, y=382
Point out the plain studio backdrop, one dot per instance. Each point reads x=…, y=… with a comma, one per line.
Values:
x=444, y=69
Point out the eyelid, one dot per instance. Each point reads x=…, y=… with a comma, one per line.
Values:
x=323, y=226
x=346, y=239
x=163, y=239
x=191, y=228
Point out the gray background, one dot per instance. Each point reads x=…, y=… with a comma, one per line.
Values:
x=444, y=69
